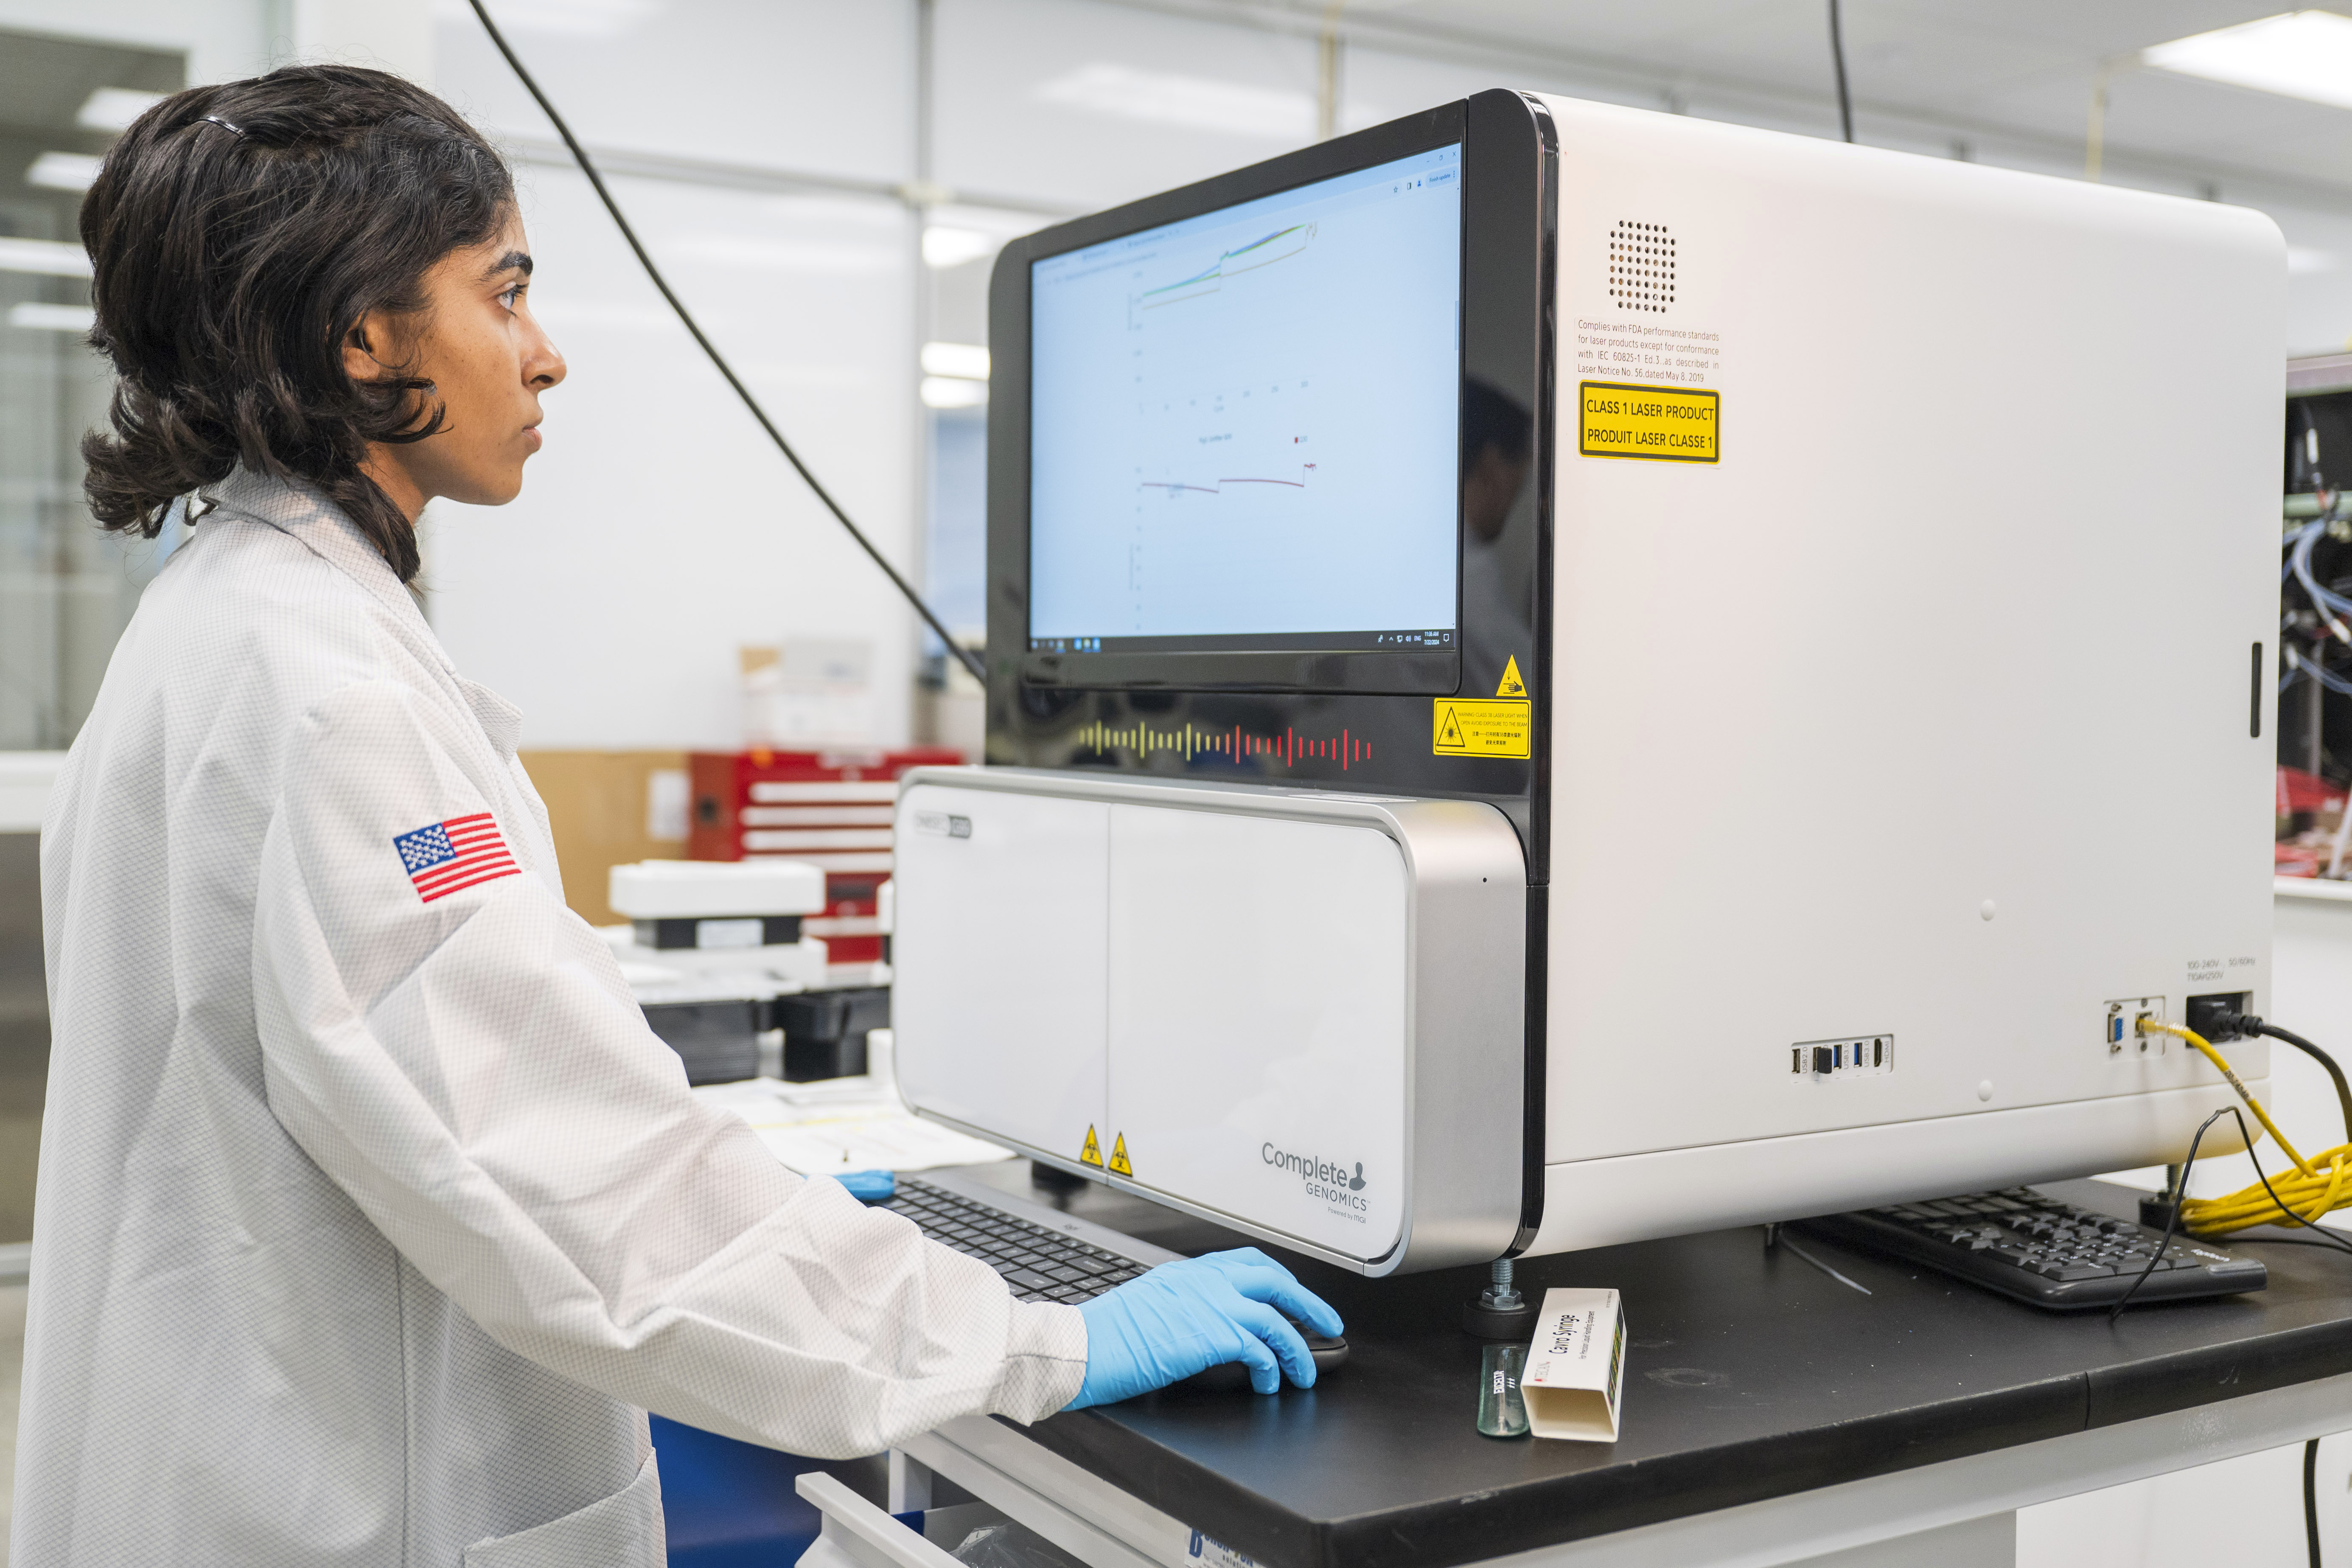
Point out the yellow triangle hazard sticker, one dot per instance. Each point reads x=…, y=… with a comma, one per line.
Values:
x=1481, y=726
x=1118, y=1165
x=1512, y=685
x=1091, y=1154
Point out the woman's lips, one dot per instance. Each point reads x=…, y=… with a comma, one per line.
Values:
x=531, y=436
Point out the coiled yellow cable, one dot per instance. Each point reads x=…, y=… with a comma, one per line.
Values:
x=2313, y=1188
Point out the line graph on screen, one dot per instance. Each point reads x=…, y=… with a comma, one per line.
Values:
x=1265, y=251
x=1174, y=487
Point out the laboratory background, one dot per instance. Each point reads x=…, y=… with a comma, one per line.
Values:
x=711, y=670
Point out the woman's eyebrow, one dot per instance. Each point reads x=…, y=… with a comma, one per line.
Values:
x=511, y=261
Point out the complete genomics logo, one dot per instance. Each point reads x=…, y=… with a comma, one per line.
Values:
x=1327, y=1180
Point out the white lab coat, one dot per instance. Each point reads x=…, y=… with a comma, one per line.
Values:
x=369, y=1227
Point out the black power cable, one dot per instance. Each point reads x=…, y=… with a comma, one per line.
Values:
x=2172, y=1213
x=962, y=655
x=2248, y=1024
x=2311, y=1499
x=2179, y=1195
x=1837, y=58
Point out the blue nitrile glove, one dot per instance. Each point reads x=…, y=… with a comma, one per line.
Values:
x=1196, y=1313
x=867, y=1187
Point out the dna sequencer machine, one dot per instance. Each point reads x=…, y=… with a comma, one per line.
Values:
x=1560, y=675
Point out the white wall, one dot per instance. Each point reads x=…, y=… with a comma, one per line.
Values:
x=386, y=35
x=1078, y=105
x=2311, y=993
x=660, y=531
x=800, y=85
x=223, y=39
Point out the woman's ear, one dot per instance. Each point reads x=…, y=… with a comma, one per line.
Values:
x=368, y=347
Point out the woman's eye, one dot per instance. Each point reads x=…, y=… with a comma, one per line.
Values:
x=510, y=296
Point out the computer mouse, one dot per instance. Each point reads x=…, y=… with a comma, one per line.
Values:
x=1233, y=1377
x=1328, y=1352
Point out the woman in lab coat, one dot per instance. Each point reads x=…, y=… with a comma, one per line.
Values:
x=371, y=1215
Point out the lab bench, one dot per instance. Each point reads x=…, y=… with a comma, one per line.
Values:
x=1772, y=1414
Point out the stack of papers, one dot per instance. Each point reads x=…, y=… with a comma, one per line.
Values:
x=844, y=1124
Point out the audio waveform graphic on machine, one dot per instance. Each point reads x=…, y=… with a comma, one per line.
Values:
x=1235, y=745
x=1280, y=245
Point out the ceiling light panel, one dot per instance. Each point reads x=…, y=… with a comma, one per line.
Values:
x=34, y=316
x=2297, y=54
x=63, y=172
x=968, y=361
x=953, y=392
x=54, y=257
x=114, y=108
x=945, y=247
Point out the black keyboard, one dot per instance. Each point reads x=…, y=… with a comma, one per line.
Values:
x=2043, y=1251
x=1040, y=1265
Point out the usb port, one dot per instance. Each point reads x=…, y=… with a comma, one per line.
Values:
x=1868, y=1056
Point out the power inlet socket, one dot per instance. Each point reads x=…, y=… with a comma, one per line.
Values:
x=2120, y=1030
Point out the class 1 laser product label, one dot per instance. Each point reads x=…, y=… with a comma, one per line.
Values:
x=1663, y=423
x=1481, y=727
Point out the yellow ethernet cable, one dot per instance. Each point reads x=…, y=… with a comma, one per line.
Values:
x=2314, y=1188
x=2148, y=1025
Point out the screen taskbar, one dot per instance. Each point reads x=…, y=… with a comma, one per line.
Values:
x=1417, y=640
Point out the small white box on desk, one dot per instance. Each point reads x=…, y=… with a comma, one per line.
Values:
x=1576, y=1366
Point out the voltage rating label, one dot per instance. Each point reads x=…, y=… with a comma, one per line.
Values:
x=1667, y=424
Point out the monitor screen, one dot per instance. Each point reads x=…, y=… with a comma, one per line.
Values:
x=1243, y=426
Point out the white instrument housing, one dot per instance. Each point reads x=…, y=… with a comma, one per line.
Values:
x=1885, y=759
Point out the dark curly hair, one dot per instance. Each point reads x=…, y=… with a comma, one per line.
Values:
x=237, y=235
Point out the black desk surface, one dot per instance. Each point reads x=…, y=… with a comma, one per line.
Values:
x=1749, y=1375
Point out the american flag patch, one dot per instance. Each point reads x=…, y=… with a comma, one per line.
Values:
x=448, y=856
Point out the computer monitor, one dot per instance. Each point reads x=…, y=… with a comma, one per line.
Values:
x=1240, y=418
x=1243, y=425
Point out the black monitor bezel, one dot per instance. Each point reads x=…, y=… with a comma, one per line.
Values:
x=1404, y=672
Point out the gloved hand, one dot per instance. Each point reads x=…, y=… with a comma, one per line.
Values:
x=1196, y=1313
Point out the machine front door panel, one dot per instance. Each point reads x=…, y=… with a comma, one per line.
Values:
x=1258, y=1020
x=998, y=1001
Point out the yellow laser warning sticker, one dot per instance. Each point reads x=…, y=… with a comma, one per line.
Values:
x=1512, y=685
x=1666, y=424
x=1481, y=727
x=1092, y=1154
x=1118, y=1165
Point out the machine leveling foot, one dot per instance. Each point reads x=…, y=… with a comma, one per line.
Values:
x=1499, y=1311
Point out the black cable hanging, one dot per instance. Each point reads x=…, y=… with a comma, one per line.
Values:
x=2311, y=1501
x=2180, y=1195
x=2335, y=1073
x=963, y=656
x=1837, y=58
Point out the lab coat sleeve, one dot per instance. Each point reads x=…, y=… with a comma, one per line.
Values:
x=472, y=1071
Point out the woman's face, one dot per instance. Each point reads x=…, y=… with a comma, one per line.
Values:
x=487, y=359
